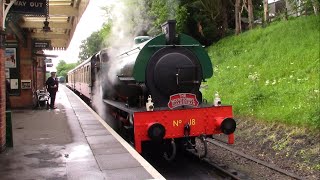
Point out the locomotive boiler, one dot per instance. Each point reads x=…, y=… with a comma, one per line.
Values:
x=153, y=91
x=160, y=67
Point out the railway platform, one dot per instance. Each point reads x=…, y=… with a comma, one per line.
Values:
x=70, y=142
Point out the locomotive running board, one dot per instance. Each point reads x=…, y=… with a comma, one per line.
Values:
x=123, y=106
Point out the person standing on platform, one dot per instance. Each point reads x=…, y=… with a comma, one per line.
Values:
x=52, y=87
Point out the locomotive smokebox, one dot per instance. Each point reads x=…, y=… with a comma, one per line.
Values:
x=169, y=29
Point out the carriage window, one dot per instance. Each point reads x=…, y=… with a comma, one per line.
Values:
x=82, y=74
x=88, y=74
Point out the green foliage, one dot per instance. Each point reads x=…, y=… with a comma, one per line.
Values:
x=94, y=43
x=104, y=34
x=161, y=11
x=90, y=45
x=271, y=73
x=210, y=8
x=214, y=17
x=63, y=68
x=303, y=6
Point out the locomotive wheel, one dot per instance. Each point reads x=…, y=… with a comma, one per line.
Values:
x=201, y=147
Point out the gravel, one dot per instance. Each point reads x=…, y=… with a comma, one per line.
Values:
x=290, y=148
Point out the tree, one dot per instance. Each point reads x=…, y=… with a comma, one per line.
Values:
x=224, y=6
x=90, y=46
x=237, y=16
x=161, y=11
x=246, y=5
x=265, y=12
x=94, y=43
x=63, y=68
x=315, y=4
x=304, y=6
x=250, y=14
x=211, y=19
x=104, y=34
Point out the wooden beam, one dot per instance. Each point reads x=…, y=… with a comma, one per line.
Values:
x=62, y=11
x=49, y=36
x=60, y=2
x=39, y=25
x=59, y=43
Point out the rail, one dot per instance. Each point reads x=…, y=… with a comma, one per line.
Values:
x=127, y=53
x=271, y=166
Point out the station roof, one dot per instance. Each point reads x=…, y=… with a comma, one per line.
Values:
x=63, y=17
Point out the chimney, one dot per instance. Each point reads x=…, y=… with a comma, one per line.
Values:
x=169, y=29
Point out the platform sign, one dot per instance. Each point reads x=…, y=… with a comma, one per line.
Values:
x=49, y=65
x=31, y=7
x=25, y=84
x=43, y=44
x=48, y=60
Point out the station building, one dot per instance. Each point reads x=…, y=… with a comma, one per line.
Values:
x=27, y=28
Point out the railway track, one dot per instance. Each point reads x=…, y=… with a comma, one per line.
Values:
x=188, y=165
x=221, y=169
x=225, y=173
x=234, y=175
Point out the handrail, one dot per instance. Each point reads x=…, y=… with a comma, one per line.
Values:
x=174, y=45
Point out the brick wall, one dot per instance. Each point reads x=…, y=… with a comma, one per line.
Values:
x=2, y=92
x=26, y=73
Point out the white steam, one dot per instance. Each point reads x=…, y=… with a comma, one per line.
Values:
x=127, y=23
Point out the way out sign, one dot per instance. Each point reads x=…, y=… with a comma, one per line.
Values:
x=32, y=7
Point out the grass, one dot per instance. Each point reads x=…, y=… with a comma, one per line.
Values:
x=272, y=73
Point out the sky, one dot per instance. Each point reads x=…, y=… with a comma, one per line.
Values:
x=91, y=20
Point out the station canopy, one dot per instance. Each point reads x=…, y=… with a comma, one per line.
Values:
x=56, y=27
